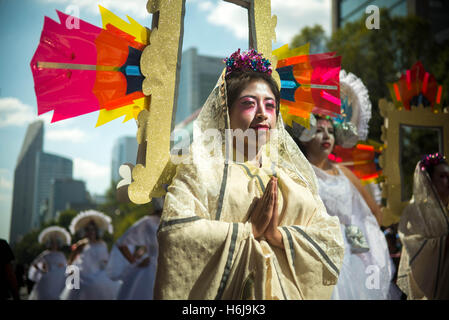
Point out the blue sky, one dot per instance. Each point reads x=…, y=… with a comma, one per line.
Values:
x=215, y=27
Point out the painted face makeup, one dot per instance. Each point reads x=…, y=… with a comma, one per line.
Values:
x=324, y=140
x=254, y=108
x=253, y=114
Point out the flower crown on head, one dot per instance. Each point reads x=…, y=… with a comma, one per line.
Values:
x=431, y=160
x=249, y=60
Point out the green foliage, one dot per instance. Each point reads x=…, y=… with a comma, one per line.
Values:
x=65, y=217
x=123, y=215
x=28, y=248
x=379, y=56
x=314, y=35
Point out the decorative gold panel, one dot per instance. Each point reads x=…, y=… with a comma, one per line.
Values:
x=160, y=64
x=390, y=158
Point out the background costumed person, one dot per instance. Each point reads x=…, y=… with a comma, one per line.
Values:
x=423, y=230
x=242, y=224
x=90, y=255
x=367, y=269
x=48, y=269
x=133, y=258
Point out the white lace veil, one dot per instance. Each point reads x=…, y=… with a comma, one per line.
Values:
x=428, y=204
x=209, y=150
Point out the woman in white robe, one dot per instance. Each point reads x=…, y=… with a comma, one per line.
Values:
x=134, y=258
x=367, y=269
x=48, y=269
x=89, y=257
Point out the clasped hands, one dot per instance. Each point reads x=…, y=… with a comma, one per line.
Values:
x=265, y=217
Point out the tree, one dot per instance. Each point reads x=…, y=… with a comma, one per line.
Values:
x=65, y=218
x=123, y=214
x=379, y=56
x=314, y=35
x=28, y=248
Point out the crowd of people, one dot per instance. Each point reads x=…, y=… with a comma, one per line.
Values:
x=283, y=222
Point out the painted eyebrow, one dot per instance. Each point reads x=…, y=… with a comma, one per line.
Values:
x=254, y=97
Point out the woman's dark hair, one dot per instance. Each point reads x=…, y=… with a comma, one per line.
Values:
x=430, y=168
x=237, y=81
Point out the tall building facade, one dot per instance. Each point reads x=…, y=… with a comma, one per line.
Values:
x=435, y=11
x=67, y=193
x=34, y=173
x=198, y=76
x=24, y=187
x=124, y=150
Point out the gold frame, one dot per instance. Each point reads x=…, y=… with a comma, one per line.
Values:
x=160, y=64
x=389, y=160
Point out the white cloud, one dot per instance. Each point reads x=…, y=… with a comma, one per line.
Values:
x=14, y=112
x=5, y=183
x=205, y=6
x=97, y=176
x=293, y=15
x=232, y=17
x=74, y=135
x=6, y=197
x=135, y=8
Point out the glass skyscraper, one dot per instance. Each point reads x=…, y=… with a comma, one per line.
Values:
x=34, y=173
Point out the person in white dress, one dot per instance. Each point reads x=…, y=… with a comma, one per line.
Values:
x=134, y=257
x=90, y=256
x=48, y=269
x=367, y=269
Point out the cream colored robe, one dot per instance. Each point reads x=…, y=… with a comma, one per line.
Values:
x=424, y=229
x=207, y=249
x=424, y=266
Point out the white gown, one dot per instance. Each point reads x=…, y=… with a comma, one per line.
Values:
x=367, y=275
x=48, y=285
x=137, y=282
x=94, y=282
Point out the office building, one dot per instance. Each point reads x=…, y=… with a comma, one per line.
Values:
x=434, y=11
x=67, y=193
x=35, y=170
x=124, y=150
x=199, y=74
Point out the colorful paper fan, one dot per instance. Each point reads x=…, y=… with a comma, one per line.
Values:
x=81, y=69
x=362, y=160
x=309, y=84
x=416, y=87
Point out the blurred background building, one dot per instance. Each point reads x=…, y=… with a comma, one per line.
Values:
x=35, y=170
x=124, y=150
x=67, y=193
x=199, y=74
x=435, y=11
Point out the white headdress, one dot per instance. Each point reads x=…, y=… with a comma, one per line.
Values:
x=57, y=232
x=102, y=221
x=355, y=103
x=352, y=124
